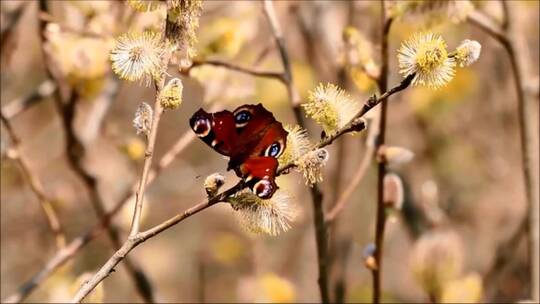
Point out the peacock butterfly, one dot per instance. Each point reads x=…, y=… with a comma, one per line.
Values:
x=252, y=139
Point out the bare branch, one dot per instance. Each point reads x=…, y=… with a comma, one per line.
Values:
x=316, y=194
x=21, y=104
x=66, y=101
x=233, y=67
x=511, y=40
x=158, y=110
x=35, y=185
x=381, y=216
x=78, y=243
x=342, y=200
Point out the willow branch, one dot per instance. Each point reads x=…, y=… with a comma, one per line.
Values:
x=35, y=185
x=380, y=215
x=66, y=101
x=237, y=68
x=21, y=104
x=148, y=156
x=13, y=19
x=139, y=238
x=78, y=243
x=510, y=41
x=343, y=198
x=316, y=194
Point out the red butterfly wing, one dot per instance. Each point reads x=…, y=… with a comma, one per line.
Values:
x=259, y=134
x=252, y=138
x=260, y=173
x=252, y=119
x=216, y=129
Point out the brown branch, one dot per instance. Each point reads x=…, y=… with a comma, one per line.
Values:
x=74, y=246
x=380, y=215
x=340, y=241
x=510, y=40
x=13, y=19
x=139, y=238
x=61, y=257
x=237, y=68
x=66, y=100
x=316, y=194
x=8, y=36
x=21, y=104
x=158, y=110
x=343, y=198
x=35, y=185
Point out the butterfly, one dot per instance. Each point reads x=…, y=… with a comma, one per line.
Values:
x=252, y=139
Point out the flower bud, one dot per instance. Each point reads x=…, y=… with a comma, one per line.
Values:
x=369, y=257
x=393, y=194
x=171, y=95
x=213, y=182
x=467, y=52
x=143, y=119
x=394, y=155
x=437, y=258
x=311, y=165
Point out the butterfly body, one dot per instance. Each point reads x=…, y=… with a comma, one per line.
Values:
x=252, y=139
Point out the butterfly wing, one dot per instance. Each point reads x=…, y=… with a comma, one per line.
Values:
x=259, y=134
x=216, y=129
x=259, y=174
x=252, y=119
x=251, y=137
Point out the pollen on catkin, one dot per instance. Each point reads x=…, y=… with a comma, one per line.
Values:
x=425, y=55
x=144, y=5
x=467, y=52
x=272, y=216
x=297, y=145
x=331, y=107
x=311, y=165
x=182, y=22
x=171, y=95
x=138, y=56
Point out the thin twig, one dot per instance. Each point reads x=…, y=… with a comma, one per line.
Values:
x=66, y=101
x=158, y=110
x=354, y=125
x=78, y=243
x=343, y=198
x=13, y=19
x=134, y=241
x=509, y=41
x=9, y=31
x=340, y=239
x=316, y=194
x=237, y=68
x=380, y=216
x=35, y=185
x=21, y=104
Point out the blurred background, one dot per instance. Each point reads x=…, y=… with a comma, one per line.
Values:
x=464, y=193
